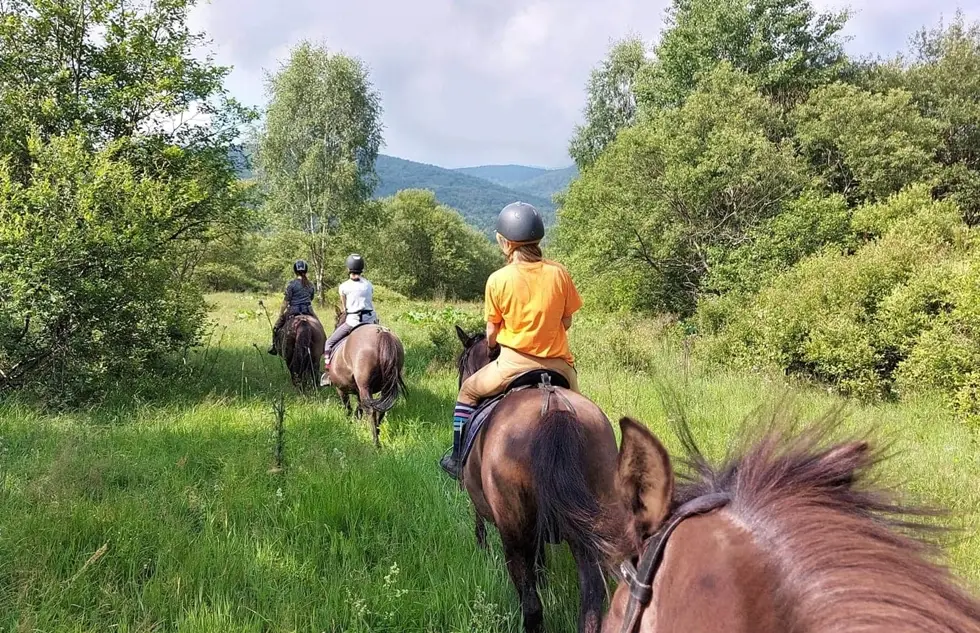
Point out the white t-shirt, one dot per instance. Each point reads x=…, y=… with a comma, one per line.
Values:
x=360, y=296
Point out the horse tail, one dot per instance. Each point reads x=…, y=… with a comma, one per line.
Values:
x=390, y=373
x=301, y=363
x=567, y=507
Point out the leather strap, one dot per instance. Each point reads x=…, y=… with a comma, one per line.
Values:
x=640, y=578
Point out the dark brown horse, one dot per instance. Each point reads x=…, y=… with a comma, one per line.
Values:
x=369, y=360
x=301, y=345
x=544, y=474
x=785, y=538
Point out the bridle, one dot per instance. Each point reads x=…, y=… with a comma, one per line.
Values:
x=640, y=578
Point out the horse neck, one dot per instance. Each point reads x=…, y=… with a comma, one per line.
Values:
x=712, y=560
x=842, y=569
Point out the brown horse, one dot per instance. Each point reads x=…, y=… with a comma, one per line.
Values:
x=300, y=344
x=785, y=538
x=369, y=360
x=544, y=473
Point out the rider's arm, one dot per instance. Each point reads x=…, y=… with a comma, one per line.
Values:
x=492, y=330
x=573, y=301
x=285, y=299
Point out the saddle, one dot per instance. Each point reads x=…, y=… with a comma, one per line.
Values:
x=545, y=379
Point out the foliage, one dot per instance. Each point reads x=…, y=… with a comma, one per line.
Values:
x=88, y=249
x=425, y=249
x=944, y=77
x=108, y=191
x=785, y=45
x=254, y=261
x=317, y=151
x=638, y=226
x=805, y=226
x=611, y=103
x=800, y=206
x=856, y=321
x=864, y=145
x=439, y=327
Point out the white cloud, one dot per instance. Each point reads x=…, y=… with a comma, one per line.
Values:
x=467, y=82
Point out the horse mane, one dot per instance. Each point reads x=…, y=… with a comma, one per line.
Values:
x=850, y=557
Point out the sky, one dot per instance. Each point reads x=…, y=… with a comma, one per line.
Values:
x=475, y=82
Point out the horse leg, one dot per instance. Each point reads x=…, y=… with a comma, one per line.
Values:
x=345, y=398
x=520, y=565
x=376, y=428
x=592, y=589
x=481, y=531
x=540, y=560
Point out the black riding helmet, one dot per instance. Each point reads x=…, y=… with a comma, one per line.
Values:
x=355, y=263
x=520, y=222
x=300, y=266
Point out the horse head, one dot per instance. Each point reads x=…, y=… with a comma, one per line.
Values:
x=475, y=354
x=785, y=537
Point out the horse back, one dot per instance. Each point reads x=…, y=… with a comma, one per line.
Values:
x=499, y=467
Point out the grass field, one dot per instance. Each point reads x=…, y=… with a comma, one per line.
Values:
x=157, y=510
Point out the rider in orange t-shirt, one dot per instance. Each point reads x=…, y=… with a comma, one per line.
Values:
x=529, y=305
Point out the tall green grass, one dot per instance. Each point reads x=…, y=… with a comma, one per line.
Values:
x=159, y=510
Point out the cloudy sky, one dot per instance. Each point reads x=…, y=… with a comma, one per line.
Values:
x=472, y=82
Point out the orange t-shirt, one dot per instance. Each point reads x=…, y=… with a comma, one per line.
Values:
x=529, y=300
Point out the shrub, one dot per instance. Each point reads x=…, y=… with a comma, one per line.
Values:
x=95, y=283
x=858, y=322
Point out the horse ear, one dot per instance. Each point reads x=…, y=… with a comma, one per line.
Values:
x=337, y=310
x=463, y=337
x=644, y=476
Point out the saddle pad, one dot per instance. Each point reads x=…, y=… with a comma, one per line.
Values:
x=480, y=418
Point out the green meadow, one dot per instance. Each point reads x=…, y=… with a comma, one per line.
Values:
x=163, y=507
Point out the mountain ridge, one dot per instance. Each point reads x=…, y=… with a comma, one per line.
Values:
x=477, y=198
x=477, y=193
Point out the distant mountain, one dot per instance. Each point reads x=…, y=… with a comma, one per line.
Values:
x=547, y=184
x=535, y=181
x=478, y=200
x=506, y=175
x=478, y=193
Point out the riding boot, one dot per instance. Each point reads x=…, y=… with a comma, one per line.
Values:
x=450, y=463
x=325, y=377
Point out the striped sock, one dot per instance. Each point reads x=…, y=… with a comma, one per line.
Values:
x=461, y=415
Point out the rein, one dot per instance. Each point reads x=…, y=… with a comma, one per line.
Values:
x=640, y=578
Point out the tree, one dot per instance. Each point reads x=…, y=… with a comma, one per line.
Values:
x=109, y=191
x=318, y=148
x=611, y=102
x=640, y=225
x=944, y=77
x=866, y=146
x=784, y=44
x=425, y=249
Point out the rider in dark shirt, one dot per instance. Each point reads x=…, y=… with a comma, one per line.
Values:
x=298, y=299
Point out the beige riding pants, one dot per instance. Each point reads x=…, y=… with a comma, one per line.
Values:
x=494, y=378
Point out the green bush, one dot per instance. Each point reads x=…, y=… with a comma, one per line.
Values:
x=425, y=250
x=891, y=311
x=440, y=330
x=93, y=283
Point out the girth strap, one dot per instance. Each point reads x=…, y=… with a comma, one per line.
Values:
x=640, y=579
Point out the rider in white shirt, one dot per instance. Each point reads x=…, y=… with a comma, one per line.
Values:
x=357, y=296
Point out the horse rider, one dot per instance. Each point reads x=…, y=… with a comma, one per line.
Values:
x=528, y=307
x=357, y=297
x=298, y=299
